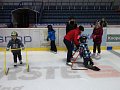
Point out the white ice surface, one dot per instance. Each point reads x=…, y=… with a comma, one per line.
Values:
x=48, y=71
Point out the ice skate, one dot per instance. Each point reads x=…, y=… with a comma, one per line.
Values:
x=21, y=62
x=54, y=52
x=93, y=55
x=69, y=63
x=98, y=56
x=94, y=68
x=15, y=64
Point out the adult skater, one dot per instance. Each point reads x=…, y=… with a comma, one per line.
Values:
x=72, y=36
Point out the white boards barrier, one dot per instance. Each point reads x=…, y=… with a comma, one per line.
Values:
x=36, y=37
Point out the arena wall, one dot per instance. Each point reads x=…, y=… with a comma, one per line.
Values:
x=36, y=37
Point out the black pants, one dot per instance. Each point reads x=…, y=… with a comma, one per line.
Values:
x=97, y=46
x=17, y=54
x=69, y=46
x=53, y=46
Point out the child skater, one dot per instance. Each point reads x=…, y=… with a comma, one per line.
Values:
x=51, y=36
x=72, y=36
x=16, y=44
x=97, y=39
x=86, y=54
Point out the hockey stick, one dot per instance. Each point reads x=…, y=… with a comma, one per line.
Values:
x=6, y=70
x=74, y=61
x=27, y=65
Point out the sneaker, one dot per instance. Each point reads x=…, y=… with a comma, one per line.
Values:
x=15, y=64
x=69, y=63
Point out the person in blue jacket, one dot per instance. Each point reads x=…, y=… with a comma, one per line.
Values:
x=51, y=36
x=15, y=44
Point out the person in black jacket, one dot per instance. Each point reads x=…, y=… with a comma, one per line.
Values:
x=103, y=23
x=15, y=45
x=71, y=24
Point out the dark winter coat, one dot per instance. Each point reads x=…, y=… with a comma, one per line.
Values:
x=98, y=32
x=15, y=44
x=70, y=27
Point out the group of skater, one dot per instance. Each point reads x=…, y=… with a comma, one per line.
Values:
x=73, y=40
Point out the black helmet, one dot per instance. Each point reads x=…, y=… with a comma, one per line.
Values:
x=83, y=39
x=81, y=28
x=49, y=26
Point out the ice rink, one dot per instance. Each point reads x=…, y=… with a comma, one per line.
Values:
x=48, y=71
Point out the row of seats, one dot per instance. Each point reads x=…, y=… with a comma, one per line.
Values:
x=82, y=16
x=10, y=7
x=61, y=16
x=79, y=10
x=81, y=21
x=79, y=7
x=79, y=14
x=82, y=13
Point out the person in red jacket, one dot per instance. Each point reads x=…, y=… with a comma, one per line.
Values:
x=72, y=36
x=97, y=39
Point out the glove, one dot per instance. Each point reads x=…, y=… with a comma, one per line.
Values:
x=47, y=39
x=23, y=48
x=7, y=49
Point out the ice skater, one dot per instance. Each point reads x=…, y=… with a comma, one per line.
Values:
x=97, y=39
x=70, y=38
x=51, y=36
x=86, y=54
x=15, y=44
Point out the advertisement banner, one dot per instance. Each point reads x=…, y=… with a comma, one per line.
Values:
x=36, y=37
x=113, y=38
